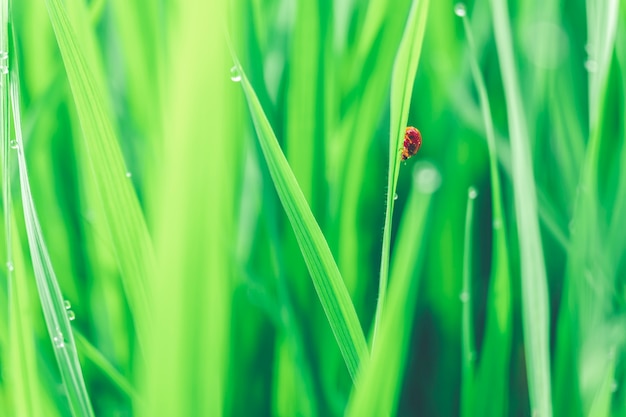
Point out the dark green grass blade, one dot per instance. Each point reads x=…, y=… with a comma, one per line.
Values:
x=380, y=383
x=535, y=312
x=402, y=80
x=327, y=280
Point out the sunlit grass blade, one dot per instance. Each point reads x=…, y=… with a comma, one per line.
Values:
x=126, y=224
x=468, y=348
x=402, y=80
x=380, y=382
x=493, y=373
x=327, y=280
x=51, y=298
x=535, y=311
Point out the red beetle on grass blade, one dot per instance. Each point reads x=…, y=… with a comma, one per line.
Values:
x=412, y=142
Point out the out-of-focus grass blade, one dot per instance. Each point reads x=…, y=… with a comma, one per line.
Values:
x=327, y=280
x=535, y=312
x=51, y=298
x=402, y=80
x=468, y=349
x=125, y=220
x=493, y=372
x=379, y=384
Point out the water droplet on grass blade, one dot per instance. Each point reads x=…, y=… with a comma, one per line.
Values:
x=67, y=304
x=10, y=266
x=395, y=196
x=472, y=193
x=235, y=75
x=129, y=174
x=13, y=144
x=460, y=9
x=59, y=341
x=71, y=315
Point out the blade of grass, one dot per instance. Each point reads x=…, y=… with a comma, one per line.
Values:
x=124, y=217
x=52, y=302
x=402, y=80
x=535, y=312
x=468, y=370
x=327, y=280
x=379, y=385
x=493, y=374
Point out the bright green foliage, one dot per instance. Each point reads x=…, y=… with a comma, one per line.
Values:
x=229, y=234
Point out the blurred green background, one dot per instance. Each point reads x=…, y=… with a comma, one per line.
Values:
x=177, y=274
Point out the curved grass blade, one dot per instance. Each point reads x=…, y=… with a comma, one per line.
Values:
x=327, y=280
x=402, y=80
x=535, y=312
x=125, y=220
x=380, y=382
x=52, y=302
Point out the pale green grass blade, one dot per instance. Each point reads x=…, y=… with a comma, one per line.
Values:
x=491, y=398
x=535, y=312
x=468, y=348
x=379, y=385
x=126, y=224
x=189, y=352
x=402, y=80
x=327, y=280
x=51, y=298
x=601, y=405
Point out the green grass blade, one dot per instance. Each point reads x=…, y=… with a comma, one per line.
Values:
x=493, y=373
x=380, y=382
x=327, y=280
x=126, y=224
x=468, y=348
x=52, y=302
x=535, y=312
x=402, y=80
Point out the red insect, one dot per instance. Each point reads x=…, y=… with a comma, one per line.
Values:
x=412, y=142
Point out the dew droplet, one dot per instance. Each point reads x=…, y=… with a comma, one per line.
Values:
x=497, y=223
x=58, y=340
x=4, y=55
x=472, y=193
x=10, y=266
x=67, y=304
x=464, y=297
x=591, y=65
x=13, y=144
x=129, y=174
x=460, y=9
x=235, y=75
x=395, y=196
x=4, y=69
x=71, y=315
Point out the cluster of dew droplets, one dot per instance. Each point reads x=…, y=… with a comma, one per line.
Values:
x=235, y=74
x=68, y=308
